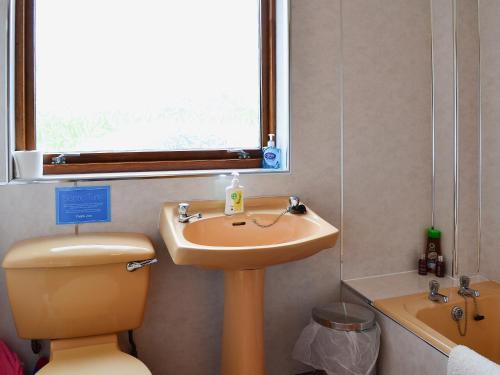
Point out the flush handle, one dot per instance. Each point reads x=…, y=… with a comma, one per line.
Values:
x=135, y=265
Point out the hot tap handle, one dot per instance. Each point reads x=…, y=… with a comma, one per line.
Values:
x=183, y=208
x=433, y=286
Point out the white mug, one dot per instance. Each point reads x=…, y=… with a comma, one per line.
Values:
x=29, y=164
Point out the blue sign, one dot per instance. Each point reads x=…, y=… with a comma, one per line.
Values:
x=77, y=205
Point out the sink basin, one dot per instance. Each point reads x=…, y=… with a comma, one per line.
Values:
x=243, y=246
x=237, y=242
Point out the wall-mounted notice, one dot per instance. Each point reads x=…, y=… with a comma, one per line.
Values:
x=78, y=205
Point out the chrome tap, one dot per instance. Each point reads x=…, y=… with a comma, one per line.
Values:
x=434, y=294
x=294, y=205
x=293, y=201
x=464, y=289
x=183, y=215
x=242, y=154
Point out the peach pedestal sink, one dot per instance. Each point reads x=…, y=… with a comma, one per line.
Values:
x=243, y=250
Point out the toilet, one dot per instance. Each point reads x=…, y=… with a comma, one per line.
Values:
x=79, y=291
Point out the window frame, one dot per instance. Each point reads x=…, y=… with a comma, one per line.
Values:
x=137, y=161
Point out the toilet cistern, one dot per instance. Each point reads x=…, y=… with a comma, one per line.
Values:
x=75, y=290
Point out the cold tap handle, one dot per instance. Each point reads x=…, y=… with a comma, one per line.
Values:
x=293, y=201
x=464, y=281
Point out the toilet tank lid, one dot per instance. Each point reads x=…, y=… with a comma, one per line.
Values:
x=88, y=249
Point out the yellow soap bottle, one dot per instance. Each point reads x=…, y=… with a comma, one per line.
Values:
x=234, y=196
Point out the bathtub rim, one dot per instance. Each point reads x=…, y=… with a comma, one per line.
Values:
x=394, y=309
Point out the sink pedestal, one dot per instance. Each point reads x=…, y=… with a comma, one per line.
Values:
x=243, y=334
x=244, y=250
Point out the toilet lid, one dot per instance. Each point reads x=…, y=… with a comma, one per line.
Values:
x=104, y=359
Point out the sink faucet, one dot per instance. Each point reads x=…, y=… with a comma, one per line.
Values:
x=464, y=289
x=434, y=294
x=183, y=215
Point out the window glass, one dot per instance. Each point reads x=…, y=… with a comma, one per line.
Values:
x=159, y=75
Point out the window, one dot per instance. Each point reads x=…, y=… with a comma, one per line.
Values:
x=122, y=86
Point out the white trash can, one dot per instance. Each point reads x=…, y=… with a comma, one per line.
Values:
x=342, y=339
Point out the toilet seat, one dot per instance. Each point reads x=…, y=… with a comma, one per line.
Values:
x=99, y=355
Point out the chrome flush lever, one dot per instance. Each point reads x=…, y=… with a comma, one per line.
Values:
x=135, y=265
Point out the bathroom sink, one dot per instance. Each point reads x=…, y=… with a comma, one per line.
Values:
x=238, y=242
x=243, y=245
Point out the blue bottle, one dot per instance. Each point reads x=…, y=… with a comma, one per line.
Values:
x=271, y=155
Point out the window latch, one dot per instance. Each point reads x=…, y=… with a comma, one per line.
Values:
x=61, y=159
x=242, y=154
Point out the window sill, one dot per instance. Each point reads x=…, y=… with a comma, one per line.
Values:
x=141, y=175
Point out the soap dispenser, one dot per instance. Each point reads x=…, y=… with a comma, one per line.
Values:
x=271, y=155
x=234, y=196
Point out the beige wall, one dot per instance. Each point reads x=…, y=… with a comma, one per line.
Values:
x=444, y=114
x=489, y=15
x=467, y=86
x=478, y=89
x=387, y=135
x=387, y=186
x=468, y=134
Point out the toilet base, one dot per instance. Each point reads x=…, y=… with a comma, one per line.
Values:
x=96, y=355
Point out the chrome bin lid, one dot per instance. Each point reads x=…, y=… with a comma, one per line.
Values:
x=343, y=316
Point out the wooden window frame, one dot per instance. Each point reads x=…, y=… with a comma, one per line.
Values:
x=110, y=162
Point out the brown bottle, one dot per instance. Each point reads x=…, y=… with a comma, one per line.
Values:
x=422, y=265
x=433, y=249
x=440, y=267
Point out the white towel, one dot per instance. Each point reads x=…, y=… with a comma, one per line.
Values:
x=464, y=361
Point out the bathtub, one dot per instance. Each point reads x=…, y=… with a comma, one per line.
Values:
x=432, y=321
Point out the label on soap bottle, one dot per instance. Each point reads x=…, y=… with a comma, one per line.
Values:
x=237, y=199
x=272, y=158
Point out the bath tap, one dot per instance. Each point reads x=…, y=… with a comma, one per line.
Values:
x=183, y=216
x=464, y=289
x=434, y=294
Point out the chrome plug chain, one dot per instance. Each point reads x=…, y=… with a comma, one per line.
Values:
x=271, y=224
